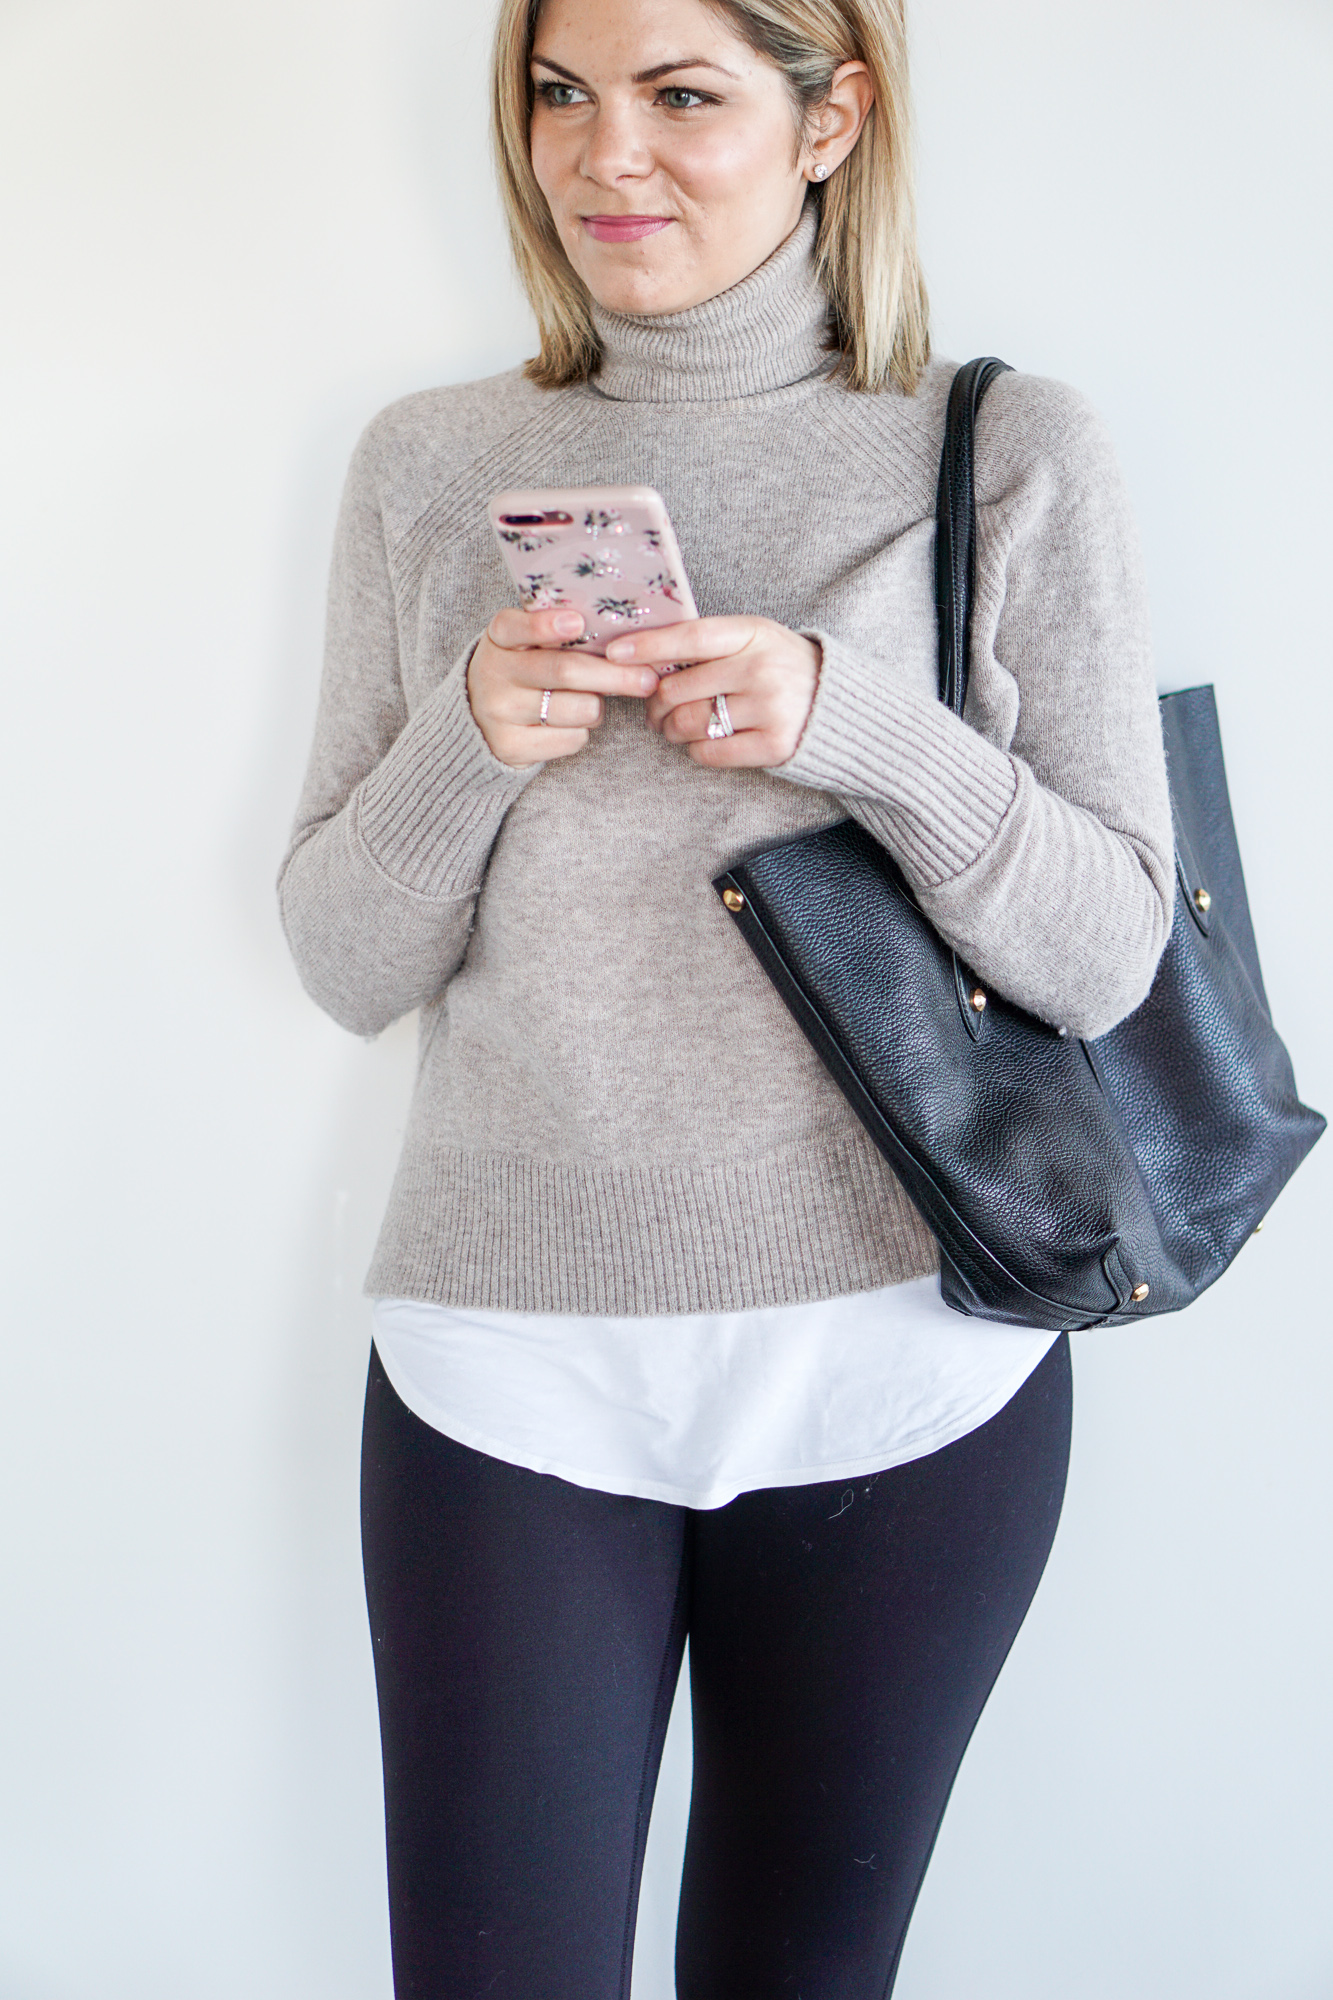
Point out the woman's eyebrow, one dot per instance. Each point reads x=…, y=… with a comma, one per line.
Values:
x=652, y=75
x=559, y=69
x=681, y=62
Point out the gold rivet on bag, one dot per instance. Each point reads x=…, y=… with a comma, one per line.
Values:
x=1258, y=1226
x=1140, y=1293
x=733, y=900
x=978, y=999
x=1203, y=900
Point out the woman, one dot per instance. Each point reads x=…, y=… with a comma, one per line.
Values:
x=658, y=1347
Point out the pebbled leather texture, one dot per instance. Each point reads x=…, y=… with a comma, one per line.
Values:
x=1057, y=1175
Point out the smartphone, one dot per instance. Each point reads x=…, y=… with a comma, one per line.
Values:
x=608, y=551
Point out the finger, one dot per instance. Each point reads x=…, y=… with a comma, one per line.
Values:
x=692, y=684
x=689, y=724
x=563, y=711
x=512, y=628
x=520, y=747
x=583, y=673
x=693, y=639
x=748, y=749
x=548, y=743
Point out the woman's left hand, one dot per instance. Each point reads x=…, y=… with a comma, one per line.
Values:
x=767, y=674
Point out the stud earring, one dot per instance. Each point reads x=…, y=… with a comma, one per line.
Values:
x=819, y=173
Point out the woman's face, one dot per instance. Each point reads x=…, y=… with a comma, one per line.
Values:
x=667, y=149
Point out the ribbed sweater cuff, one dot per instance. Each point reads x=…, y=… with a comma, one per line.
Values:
x=430, y=810
x=945, y=788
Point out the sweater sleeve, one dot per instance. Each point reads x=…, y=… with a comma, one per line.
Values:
x=1036, y=833
x=399, y=811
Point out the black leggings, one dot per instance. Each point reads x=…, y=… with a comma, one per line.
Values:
x=843, y=1640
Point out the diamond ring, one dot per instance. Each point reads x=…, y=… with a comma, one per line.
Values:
x=719, y=722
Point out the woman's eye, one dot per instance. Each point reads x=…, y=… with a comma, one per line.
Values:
x=559, y=93
x=677, y=98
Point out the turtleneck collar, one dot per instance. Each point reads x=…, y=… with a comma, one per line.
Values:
x=770, y=330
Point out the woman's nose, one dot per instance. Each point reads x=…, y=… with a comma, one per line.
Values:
x=615, y=148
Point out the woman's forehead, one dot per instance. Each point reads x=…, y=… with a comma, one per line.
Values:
x=634, y=38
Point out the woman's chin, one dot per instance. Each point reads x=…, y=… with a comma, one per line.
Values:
x=637, y=301
x=638, y=288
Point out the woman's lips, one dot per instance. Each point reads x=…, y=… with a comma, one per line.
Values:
x=624, y=228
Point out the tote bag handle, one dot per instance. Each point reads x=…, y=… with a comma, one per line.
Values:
x=956, y=527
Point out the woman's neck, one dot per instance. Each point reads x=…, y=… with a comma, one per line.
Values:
x=770, y=330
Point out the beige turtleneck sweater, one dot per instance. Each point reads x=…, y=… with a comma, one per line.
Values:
x=614, y=1112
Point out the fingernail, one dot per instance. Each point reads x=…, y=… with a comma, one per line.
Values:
x=648, y=681
x=568, y=624
x=620, y=649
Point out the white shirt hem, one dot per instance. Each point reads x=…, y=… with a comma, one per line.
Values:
x=960, y=1425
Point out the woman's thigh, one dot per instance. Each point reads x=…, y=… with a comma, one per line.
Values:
x=843, y=1641
x=527, y=1637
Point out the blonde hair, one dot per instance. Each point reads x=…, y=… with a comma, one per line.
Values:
x=865, y=250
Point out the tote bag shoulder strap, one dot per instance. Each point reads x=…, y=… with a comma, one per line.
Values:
x=956, y=526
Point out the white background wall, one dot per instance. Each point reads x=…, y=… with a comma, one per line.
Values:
x=230, y=234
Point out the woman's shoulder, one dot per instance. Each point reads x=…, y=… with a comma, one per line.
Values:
x=1043, y=453
x=458, y=418
x=1030, y=429
x=421, y=445
x=1043, y=439
x=1023, y=418
x=1031, y=417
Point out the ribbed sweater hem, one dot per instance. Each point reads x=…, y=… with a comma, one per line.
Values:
x=515, y=1235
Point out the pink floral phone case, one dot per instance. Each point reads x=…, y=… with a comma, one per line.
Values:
x=609, y=551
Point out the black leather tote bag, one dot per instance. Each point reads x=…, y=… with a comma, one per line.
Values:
x=1069, y=1183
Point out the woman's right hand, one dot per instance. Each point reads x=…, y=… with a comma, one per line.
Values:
x=521, y=655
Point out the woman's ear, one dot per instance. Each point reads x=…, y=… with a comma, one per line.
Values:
x=836, y=126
